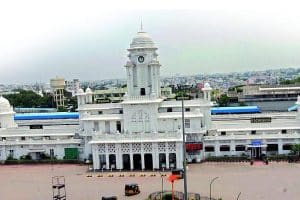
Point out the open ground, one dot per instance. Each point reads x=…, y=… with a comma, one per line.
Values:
x=276, y=181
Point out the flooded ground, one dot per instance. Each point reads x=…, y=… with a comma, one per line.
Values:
x=276, y=181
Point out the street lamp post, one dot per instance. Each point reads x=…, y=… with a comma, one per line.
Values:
x=184, y=151
x=211, y=182
x=162, y=186
x=238, y=196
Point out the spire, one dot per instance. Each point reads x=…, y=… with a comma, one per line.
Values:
x=141, y=25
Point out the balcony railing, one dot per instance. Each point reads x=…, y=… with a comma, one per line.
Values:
x=140, y=98
x=294, y=135
x=136, y=137
x=40, y=142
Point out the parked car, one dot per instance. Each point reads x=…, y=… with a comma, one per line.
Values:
x=132, y=189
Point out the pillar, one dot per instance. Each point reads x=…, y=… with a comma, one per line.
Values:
x=142, y=156
x=232, y=148
x=95, y=155
x=217, y=149
x=155, y=155
x=179, y=155
x=143, y=161
x=280, y=148
x=131, y=161
x=107, y=160
x=119, y=163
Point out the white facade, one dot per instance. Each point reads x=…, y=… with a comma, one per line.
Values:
x=16, y=142
x=235, y=135
x=143, y=131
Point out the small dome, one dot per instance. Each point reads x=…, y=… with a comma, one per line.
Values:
x=206, y=85
x=4, y=105
x=80, y=91
x=142, y=40
x=88, y=90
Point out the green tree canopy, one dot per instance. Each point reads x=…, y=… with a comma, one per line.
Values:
x=223, y=100
x=287, y=82
x=29, y=99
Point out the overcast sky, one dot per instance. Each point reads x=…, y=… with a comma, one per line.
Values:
x=40, y=40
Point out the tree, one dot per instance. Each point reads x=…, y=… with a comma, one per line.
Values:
x=29, y=99
x=295, y=149
x=287, y=81
x=223, y=100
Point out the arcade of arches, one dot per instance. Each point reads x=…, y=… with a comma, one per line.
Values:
x=159, y=158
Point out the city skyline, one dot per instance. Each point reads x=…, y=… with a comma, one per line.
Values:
x=48, y=41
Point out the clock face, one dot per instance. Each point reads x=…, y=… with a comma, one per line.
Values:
x=141, y=59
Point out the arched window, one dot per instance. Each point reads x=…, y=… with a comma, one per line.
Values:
x=209, y=149
x=224, y=148
x=286, y=147
x=240, y=148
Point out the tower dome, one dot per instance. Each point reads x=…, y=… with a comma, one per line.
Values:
x=142, y=40
x=4, y=105
x=88, y=90
x=80, y=91
x=6, y=114
x=206, y=85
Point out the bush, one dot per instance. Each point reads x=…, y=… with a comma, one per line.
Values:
x=167, y=197
x=10, y=158
x=26, y=157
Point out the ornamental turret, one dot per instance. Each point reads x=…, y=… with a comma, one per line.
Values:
x=6, y=114
x=143, y=68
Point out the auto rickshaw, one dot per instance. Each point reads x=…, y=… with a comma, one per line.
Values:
x=109, y=198
x=132, y=189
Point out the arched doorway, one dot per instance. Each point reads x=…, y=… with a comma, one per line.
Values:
x=148, y=161
x=126, y=161
x=112, y=161
x=172, y=160
x=102, y=161
x=162, y=161
x=137, y=161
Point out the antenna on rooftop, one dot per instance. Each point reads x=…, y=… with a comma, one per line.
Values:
x=141, y=25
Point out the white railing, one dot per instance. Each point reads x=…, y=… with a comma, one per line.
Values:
x=40, y=142
x=294, y=135
x=138, y=136
x=140, y=98
x=36, y=132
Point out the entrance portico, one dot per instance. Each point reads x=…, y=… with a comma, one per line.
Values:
x=256, y=149
x=135, y=159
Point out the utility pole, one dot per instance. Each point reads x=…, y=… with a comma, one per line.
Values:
x=184, y=151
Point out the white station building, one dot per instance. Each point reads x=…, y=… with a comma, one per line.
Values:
x=254, y=135
x=34, y=138
x=143, y=131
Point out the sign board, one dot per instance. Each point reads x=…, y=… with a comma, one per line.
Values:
x=196, y=146
x=256, y=142
x=103, y=100
x=261, y=120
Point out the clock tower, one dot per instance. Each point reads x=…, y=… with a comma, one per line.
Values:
x=143, y=68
